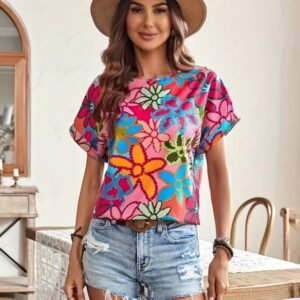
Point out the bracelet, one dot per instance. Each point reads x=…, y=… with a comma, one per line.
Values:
x=75, y=234
x=224, y=242
x=223, y=239
x=224, y=248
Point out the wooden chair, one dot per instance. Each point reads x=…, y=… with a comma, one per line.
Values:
x=269, y=224
x=290, y=216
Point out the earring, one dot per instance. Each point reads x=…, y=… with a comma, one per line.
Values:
x=172, y=33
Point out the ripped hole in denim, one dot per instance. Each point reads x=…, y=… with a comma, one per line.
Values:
x=90, y=242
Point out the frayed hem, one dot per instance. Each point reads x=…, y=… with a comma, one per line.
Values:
x=110, y=295
x=191, y=296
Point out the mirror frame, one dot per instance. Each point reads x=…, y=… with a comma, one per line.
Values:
x=20, y=61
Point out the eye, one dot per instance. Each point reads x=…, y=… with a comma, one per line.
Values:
x=160, y=10
x=135, y=10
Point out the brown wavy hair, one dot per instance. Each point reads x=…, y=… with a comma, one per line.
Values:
x=120, y=63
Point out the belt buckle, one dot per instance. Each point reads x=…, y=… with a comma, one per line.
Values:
x=140, y=225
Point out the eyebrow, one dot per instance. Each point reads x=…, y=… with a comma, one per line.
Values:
x=155, y=5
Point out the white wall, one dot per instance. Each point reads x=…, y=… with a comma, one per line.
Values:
x=253, y=45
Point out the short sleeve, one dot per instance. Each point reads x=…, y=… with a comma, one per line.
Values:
x=88, y=133
x=219, y=116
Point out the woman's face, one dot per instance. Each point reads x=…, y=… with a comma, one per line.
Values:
x=148, y=23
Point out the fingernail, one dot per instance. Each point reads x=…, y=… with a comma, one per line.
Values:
x=211, y=298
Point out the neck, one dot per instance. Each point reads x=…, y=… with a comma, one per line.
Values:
x=152, y=63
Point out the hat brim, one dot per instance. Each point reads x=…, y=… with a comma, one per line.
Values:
x=194, y=11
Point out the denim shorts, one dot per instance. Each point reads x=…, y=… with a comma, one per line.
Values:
x=159, y=264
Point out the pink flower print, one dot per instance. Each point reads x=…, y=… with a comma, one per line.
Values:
x=217, y=90
x=125, y=214
x=151, y=135
x=129, y=105
x=218, y=117
x=105, y=204
x=192, y=207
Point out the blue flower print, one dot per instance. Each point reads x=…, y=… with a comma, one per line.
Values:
x=178, y=112
x=116, y=186
x=126, y=129
x=180, y=78
x=177, y=184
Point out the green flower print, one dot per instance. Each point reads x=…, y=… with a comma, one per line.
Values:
x=201, y=111
x=152, y=96
x=152, y=212
x=178, y=151
x=99, y=126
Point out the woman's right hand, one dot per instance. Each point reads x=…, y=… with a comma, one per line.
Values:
x=74, y=283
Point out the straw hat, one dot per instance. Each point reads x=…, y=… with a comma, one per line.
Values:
x=194, y=12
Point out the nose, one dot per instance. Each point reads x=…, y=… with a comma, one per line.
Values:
x=148, y=21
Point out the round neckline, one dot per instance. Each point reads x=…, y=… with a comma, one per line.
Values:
x=161, y=77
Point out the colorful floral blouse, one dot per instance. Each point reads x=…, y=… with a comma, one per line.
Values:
x=155, y=161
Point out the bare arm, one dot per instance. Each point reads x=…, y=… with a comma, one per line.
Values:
x=221, y=202
x=87, y=199
x=86, y=203
x=219, y=188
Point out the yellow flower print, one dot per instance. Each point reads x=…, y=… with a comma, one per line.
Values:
x=139, y=167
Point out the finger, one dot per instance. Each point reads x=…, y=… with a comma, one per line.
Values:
x=79, y=291
x=227, y=285
x=69, y=292
x=211, y=289
x=220, y=290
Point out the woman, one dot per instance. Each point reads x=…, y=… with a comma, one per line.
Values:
x=152, y=116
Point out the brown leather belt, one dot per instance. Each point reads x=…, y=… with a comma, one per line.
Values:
x=141, y=225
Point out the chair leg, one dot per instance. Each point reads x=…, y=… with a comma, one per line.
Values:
x=286, y=233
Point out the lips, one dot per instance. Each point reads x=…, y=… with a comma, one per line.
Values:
x=147, y=33
x=147, y=36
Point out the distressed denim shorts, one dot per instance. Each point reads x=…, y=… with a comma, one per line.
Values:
x=162, y=263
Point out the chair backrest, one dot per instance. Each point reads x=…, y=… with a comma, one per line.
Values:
x=290, y=216
x=269, y=224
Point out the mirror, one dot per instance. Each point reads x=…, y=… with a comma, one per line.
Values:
x=7, y=96
x=9, y=36
x=14, y=81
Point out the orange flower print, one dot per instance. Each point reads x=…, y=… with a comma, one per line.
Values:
x=151, y=135
x=139, y=167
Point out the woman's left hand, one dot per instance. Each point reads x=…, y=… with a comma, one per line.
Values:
x=218, y=275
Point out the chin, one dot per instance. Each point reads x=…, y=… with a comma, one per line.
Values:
x=149, y=46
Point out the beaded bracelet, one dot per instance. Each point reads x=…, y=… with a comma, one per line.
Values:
x=224, y=243
x=75, y=234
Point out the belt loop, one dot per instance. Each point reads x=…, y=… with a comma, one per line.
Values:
x=108, y=221
x=159, y=226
